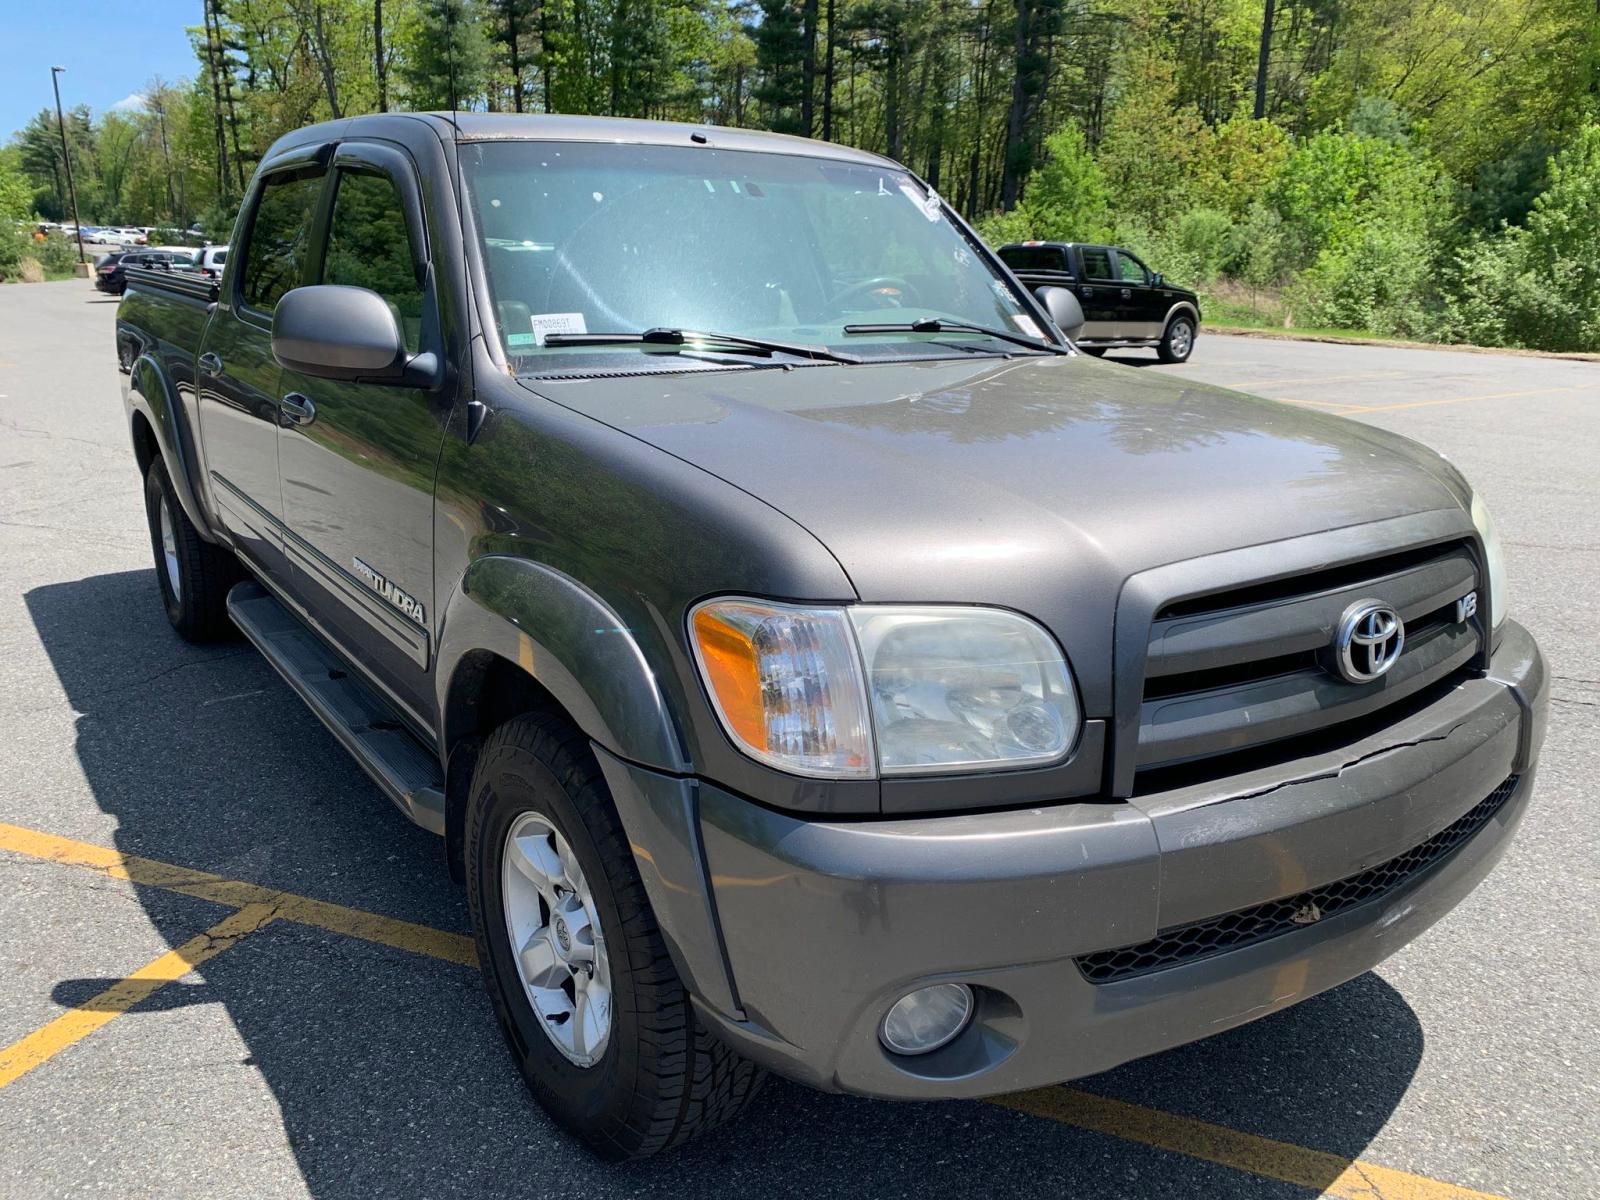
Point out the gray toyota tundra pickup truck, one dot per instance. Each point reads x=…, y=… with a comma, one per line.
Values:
x=810, y=661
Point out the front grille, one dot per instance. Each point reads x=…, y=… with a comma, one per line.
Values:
x=1186, y=943
x=1236, y=670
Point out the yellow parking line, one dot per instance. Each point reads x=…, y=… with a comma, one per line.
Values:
x=23, y=1055
x=336, y=918
x=1329, y=1174
x=1338, y=404
x=1345, y=408
x=1463, y=399
x=1252, y=384
x=1281, y=1161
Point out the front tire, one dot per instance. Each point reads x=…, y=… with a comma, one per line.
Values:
x=1177, y=343
x=563, y=927
x=194, y=576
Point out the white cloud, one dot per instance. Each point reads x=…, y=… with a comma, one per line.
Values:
x=133, y=102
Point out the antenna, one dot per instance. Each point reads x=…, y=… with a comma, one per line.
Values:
x=451, y=11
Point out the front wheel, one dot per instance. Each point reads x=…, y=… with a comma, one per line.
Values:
x=1178, y=342
x=586, y=994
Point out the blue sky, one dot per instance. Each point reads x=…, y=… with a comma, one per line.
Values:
x=110, y=48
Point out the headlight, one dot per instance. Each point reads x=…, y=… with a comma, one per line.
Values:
x=786, y=684
x=1494, y=562
x=854, y=692
x=963, y=689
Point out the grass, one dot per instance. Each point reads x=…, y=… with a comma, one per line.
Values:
x=1230, y=305
x=1225, y=320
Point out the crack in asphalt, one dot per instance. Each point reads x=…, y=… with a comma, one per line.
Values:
x=162, y=674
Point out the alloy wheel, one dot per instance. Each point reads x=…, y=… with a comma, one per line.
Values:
x=555, y=934
x=169, y=549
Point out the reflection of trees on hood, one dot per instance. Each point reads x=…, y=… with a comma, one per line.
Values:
x=1140, y=415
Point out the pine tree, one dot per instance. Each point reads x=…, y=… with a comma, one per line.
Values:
x=447, y=66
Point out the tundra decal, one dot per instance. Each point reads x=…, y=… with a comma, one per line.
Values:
x=392, y=594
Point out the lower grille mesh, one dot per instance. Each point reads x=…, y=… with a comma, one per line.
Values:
x=1218, y=934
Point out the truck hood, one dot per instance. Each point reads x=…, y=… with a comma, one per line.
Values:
x=929, y=479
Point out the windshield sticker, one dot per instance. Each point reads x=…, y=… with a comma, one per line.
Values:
x=929, y=204
x=1027, y=324
x=544, y=324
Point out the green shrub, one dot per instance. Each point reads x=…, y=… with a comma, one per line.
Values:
x=1193, y=250
x=1236, y=162
x=57, y=254
x=14, y=244
x=1067, y=198
x=1539, y=284
x=1379, y=277
x=999, y=228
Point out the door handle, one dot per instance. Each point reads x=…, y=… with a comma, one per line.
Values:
x=210, y=364
x=297, y=409
x=1127, y=293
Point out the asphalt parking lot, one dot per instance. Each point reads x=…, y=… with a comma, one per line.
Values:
x=231, y=969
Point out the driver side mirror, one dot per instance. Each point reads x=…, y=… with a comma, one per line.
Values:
x=1157, y=279
x=332, y=331
x=1063, y=308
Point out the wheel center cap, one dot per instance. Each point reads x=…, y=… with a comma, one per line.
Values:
x=563, y=936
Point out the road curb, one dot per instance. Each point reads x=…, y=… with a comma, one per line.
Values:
x=1275, y=335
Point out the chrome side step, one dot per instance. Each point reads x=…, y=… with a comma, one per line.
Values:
x=406, y=770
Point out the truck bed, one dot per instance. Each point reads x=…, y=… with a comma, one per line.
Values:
x=183, y=283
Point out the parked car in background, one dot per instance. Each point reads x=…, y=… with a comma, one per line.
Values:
x=1124, y=302
x=209, y=261
x=111, y=272
x=119, y=236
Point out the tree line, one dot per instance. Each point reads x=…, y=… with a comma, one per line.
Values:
x=1426, y=168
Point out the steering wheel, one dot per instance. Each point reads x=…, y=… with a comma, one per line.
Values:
x=894, y=290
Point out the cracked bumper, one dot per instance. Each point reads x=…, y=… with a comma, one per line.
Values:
x=826, y=924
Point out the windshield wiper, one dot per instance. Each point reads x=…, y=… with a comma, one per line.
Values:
x=683, y=337
x=938, y=325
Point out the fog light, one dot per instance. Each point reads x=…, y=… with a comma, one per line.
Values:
x=922, y=1021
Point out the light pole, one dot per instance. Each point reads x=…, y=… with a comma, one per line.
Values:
x=66, y=155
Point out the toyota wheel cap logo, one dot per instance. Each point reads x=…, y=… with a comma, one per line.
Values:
x=1369, y=640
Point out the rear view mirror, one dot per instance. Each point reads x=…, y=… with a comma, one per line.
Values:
x=1063, y=308
x=331, y=331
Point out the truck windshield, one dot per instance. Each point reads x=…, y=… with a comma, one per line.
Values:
x=590, y=238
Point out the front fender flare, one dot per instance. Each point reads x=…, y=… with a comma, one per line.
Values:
x=573, y=644
x=152, y=394
x=1184, y=307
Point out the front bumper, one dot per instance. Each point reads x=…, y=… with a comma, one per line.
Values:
x=824, y=925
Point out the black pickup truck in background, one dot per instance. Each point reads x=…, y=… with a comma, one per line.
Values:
x=1124, y=302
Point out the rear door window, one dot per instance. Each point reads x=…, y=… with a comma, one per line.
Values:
x=1097, y=263
x=1035, y=258
x=280, y=238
